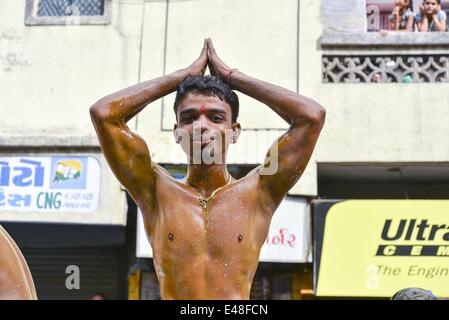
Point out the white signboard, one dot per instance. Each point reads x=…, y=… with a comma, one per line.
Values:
x=287, y=240
x=49, y=184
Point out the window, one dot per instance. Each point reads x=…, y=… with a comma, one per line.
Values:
x=55, y=8
x=68, y=12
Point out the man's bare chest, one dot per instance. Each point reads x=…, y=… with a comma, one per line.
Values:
x=227, y=222
x=225, y=215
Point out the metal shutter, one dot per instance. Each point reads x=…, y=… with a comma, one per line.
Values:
x=100, y=271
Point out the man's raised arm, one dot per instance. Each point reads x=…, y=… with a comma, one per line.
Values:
x=126, y=152
x=305, y=117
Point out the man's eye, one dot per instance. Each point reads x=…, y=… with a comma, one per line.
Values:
x=217, y=118
x=187, y=119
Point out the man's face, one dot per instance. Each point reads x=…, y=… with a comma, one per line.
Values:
x=204, y=128
x=430, y=6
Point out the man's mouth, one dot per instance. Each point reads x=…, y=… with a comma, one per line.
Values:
x=204, y=141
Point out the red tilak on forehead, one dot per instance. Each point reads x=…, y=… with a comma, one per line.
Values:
x=203, y=108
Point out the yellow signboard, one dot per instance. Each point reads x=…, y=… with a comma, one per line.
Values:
x=374, y=248
x=134, y=286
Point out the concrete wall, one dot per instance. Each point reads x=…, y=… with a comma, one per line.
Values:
x=49, y=77
x=373, y=122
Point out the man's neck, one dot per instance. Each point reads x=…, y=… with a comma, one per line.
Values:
x=207, y=178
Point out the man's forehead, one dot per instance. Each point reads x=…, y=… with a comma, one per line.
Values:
x=203, y=103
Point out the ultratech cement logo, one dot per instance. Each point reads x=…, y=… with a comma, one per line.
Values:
x=413, y=231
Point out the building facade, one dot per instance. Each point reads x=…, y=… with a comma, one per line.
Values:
x=384, y=138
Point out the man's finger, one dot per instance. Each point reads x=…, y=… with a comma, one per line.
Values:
x=211, y=69
x=209, y=55
x=204, y=50
x=209, y=42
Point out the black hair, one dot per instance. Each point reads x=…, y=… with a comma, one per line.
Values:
x=208, y=86
x=414, y=294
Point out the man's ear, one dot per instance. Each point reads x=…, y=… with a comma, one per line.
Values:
x=236, y=129
x=176, y=133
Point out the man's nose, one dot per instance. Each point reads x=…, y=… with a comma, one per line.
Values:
x=203, y=123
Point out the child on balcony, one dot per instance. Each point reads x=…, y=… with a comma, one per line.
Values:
x=402, y=17
x=431, y=17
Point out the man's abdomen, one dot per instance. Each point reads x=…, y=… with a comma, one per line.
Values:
x=205, y=277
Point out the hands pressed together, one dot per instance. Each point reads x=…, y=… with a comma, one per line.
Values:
x=209, y=58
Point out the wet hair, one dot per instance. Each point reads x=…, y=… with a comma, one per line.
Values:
x=208, y=86
x=414, y=294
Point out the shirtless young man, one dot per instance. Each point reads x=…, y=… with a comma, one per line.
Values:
x=207, y=231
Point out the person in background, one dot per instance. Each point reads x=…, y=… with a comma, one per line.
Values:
x=414, y=294
x=402, y=17
x=377, y=78
x=98, y=296
x=431, y=17
x=16, y=281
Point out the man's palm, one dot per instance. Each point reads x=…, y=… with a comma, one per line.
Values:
x=217, y=67
x=199, y=65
